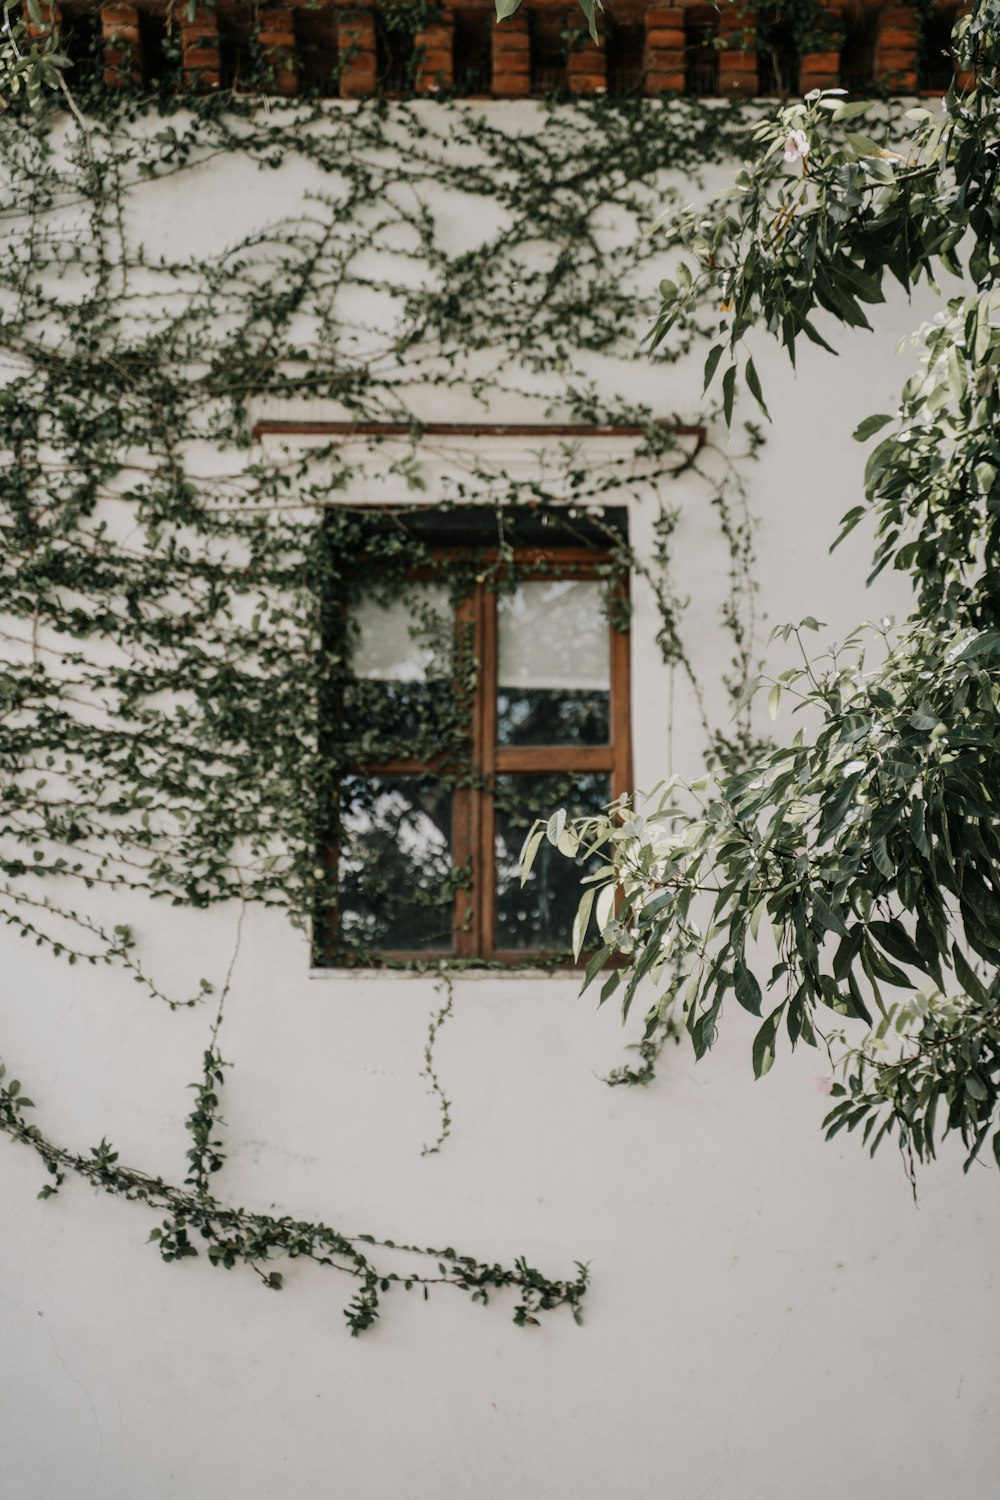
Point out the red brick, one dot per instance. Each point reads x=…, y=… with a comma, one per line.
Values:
x=897, y=40
x=435, y=38
x=512, y=86
x=434, y=70
x=505, y=43
x=738, y=62
x=737, y=86
x=665, y=83
x=664, y=37
x=589, y=85
x=894, y=62
x=116, y=17
x=900, y=16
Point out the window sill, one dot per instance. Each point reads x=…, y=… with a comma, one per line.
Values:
x=456, y=975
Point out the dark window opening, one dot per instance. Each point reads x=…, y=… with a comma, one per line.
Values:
x=857, y=56
x=777, y=54
x=937, y=59
x=548, y=51
x=472, y=52
x=154, y=47
x=81, y=40
x=317, y=52
x=394, y=56
x=235, y=55
x=701, y=54
x=626, y=45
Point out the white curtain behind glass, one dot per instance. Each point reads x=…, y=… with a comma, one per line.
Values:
x=553, y=633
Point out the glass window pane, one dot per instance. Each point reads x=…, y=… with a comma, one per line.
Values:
x=404, y=640
x=539, y=917
x=402, y=699
x=554, y=664
x=397, y=879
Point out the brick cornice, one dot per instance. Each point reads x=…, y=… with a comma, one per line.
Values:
x=671, y=35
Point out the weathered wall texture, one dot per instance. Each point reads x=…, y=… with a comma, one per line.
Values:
x=770, y=1318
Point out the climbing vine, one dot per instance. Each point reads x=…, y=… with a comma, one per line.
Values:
x=176, y=593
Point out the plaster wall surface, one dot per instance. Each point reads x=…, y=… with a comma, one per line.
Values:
x=771, y=1317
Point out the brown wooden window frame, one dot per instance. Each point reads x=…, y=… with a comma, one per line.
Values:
x=474, y=806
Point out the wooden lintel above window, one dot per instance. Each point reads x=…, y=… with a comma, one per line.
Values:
x=469, y=429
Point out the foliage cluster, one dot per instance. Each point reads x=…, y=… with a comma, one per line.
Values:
x=870, y=845
x=30, y=59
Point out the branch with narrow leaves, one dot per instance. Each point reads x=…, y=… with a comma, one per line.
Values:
x=871, y=851
x=827, y=212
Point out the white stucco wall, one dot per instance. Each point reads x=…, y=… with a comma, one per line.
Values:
x=771, y=1317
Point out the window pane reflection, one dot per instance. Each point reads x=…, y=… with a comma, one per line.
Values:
x=396, y=875
x=402, y=661
x=539, y=917
x=554, y=664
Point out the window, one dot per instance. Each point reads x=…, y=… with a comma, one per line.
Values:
x=548, y=51
x=857, y=54
x=395, y=44
x=625, y=43
x=471, y=52
x=777, y=53
x=478, y=679
x=81, y=42
x=937, y=59
x=316, y=43
x=701, y=55
x=154, y=44
x=236, y=25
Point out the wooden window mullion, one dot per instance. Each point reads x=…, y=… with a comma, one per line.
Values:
x=466, y=800
x=621, y=700
x=486, y=724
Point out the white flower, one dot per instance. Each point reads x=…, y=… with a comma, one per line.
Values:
x=823, y=1085
x=796, y=146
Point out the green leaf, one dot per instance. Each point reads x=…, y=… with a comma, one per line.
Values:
x=863, y=145
x=850, y=111
x=967, y=976
x=588, y=8
x=582, y=920
x=728, y=392
x=506, y=8
x=595, y=966
x=531, y=847
x=711, y=365
x=764, y=1043
x=753, y=384
x=747, y=989
x=829, y=919
x=869, y=426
